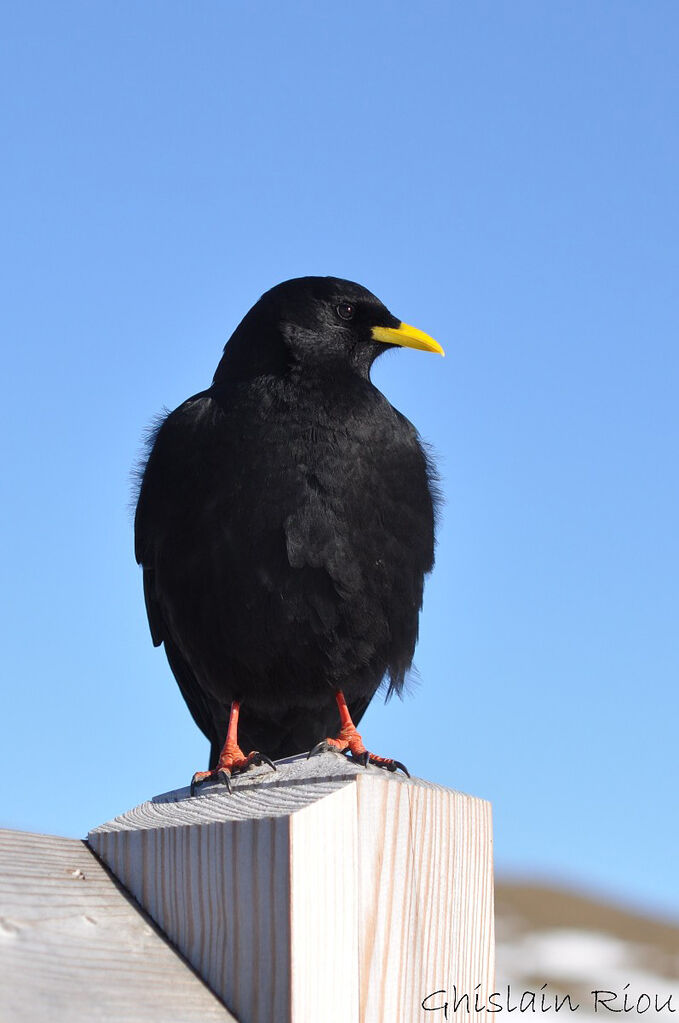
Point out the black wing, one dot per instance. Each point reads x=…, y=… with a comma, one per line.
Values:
x=168, y=467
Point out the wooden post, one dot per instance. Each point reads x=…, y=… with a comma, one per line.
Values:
x=325, y=891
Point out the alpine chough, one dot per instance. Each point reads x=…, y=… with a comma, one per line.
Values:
x=285, y=523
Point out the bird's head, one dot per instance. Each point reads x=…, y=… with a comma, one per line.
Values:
x=317, y=323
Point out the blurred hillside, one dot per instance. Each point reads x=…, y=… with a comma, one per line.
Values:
x=575, y=944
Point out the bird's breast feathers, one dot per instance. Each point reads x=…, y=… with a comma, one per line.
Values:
x=338, y=481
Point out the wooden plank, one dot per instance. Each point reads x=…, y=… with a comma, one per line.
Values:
x=324, y=909
x=220, y=896
x=73, y=947
x=324, y=891
x=425, y=897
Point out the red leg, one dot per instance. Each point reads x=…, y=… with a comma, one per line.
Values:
x=349, y=740
x=232, y=760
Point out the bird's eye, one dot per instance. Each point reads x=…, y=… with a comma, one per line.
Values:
x=345, y=311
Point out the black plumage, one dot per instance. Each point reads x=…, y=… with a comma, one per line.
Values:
x=285, y=522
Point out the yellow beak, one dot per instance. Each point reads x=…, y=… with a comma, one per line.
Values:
x=407, y=337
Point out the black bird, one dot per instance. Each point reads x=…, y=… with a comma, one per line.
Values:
x=285, y=523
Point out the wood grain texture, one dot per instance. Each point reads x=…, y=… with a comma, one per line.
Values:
x=74, y=948
x=324, y=909
x=349, y=895
x=425, y=884
x=220, y=894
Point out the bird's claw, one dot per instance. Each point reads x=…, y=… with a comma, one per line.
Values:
x=224, y=773
x=261, y=758
x=386, y=763
x=363, y=756
x=322, y=747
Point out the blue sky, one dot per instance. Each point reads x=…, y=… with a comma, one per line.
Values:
x=504, y=176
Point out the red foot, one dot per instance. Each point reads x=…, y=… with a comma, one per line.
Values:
x=232, y=760
x=230, y=763
x=350, y=741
